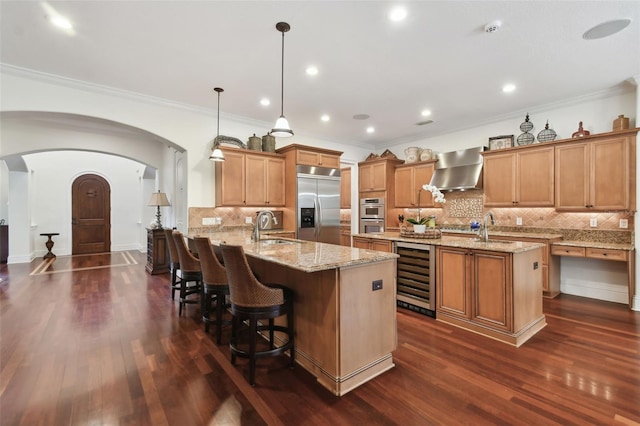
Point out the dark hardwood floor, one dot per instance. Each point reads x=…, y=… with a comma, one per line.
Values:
x=96, y=340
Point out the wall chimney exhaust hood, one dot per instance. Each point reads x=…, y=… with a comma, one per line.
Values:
x=458, y=170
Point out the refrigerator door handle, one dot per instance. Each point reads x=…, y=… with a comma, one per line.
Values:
x=318, y=215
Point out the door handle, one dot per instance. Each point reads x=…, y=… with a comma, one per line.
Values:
x=74, y=221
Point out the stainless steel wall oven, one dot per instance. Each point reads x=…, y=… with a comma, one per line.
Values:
x=371, y=215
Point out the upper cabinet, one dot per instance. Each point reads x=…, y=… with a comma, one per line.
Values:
x=409, y=179
x=345, y=188
x=521, y=178
x=595, y=174
x=250, y=178
x=314, y=158
x=372, y=176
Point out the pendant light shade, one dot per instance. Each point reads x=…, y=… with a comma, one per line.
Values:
x=282, y=129
x=216, y=153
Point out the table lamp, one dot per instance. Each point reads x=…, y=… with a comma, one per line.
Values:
x=158, y=199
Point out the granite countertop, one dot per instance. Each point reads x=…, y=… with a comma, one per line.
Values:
x=305, y=256
x=461, y=242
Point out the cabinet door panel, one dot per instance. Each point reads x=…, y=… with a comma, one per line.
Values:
x=572, y=177
x=275, y=182
x=362, y=243
x=535, y=178
x=256, y=186
x=381, y=246
x=378, y=177
x=491, y=289
x=404, y=187
x=452, y=297
x=499, y=180
x=610, y=174
x=232, y=178
x=345, y=188
x=422, y=175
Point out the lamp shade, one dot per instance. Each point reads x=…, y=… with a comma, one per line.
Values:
x=282, y=129
x=159, y=199
x=216, y=155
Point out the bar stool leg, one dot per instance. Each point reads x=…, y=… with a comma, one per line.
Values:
x=253, y=331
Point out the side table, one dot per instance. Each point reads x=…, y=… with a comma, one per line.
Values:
x=49, y=244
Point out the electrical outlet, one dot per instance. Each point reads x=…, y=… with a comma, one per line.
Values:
x=518, y=221
x=247, y=219
x=208, y=221
x=218, y=220
x=624, y=223
x=593, y=222
x=376, y=285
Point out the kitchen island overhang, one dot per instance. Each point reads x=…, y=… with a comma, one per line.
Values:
x=345, y=329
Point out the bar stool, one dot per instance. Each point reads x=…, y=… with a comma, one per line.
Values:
x=252, y=301
x=214, y=286
x=190, y=271
x=174, y=263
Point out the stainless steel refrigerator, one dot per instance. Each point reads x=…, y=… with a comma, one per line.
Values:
x=318, y=204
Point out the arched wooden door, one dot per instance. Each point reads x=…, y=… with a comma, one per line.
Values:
x=90, y=215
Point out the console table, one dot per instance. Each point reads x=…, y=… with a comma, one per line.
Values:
x=49, y=244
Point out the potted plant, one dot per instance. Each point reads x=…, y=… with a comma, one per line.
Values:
x=419, y=225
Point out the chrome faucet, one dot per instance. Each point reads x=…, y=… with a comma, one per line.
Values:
x=483, y=233
x=255, y=235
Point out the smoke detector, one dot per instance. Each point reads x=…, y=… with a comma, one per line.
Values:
x=492, y=27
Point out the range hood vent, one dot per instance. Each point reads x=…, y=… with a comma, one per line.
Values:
x=458, y=170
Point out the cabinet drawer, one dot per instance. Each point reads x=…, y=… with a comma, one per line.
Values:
x=567, y=251
x=620, y=255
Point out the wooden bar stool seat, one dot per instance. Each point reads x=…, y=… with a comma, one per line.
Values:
x=252, y=301
x=190, y=272
x=174, y=263
x=215, y=287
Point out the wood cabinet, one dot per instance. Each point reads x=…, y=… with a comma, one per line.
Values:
x=521, y=178
x=250, y=179
x=373, y=244
x=345, y=188
x=264, y=181
x=345, y=236
x=595, y=174
x=314, y=158
x=497, y=294
x=409, y=179
x=157, y=252
x=373, y=176
x=4, y=243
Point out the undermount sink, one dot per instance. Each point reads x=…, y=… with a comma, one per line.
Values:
x=480, y=240
x=270, y=241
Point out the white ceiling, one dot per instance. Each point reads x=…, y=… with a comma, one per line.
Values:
x=439, y=58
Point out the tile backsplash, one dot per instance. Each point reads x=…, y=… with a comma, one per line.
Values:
x=459, y=210
x=462, y=207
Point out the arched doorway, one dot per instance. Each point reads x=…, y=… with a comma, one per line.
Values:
x=90, y=215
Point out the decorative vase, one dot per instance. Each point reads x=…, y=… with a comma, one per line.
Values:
x=412, y=154
x=254, y=143
x=419, y=229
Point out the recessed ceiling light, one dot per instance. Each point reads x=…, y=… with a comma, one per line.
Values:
x=361, y=116
x=425, y=113
x=606, y=29
x=265, y=102
x=325, y=118
x=508, y=88
x=397, y=14
x=370, y=129
x=312, y=70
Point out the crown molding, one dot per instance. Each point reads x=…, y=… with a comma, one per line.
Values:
x=620, y=89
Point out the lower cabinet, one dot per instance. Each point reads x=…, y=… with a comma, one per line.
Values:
x=497, y=294
x=345, y=236
x=373, y=244
x=157, y=252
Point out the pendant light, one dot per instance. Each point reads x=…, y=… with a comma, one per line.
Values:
x=216, y=153
x=282, y=129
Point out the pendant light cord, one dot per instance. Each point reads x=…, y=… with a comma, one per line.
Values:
x=218, y=129
x=282, y=80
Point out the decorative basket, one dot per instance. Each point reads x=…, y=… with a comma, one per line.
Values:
x=430, y=233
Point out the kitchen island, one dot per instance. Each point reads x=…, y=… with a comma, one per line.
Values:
x=492, y=288
x=345, y=330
